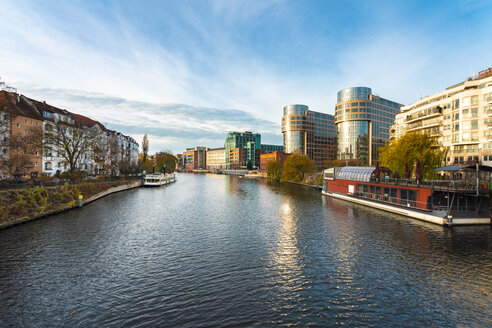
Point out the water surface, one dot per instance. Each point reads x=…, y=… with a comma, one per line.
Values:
x=219, y=251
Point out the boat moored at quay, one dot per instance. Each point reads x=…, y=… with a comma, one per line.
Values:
x=158, y=179
x=463, y=200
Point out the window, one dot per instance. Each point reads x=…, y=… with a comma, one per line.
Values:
x=18, y=125
x=36, y=163
x=25, y=131
x=474, y=112
x=37, y=124
x=25, y=122
x=474, y=100
x=457, y=104
x=474, y=124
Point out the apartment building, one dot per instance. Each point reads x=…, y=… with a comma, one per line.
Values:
x=460, y=118
x=20, y=138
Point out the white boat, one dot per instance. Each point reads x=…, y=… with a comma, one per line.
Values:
x=251, y=175
x=158, y=179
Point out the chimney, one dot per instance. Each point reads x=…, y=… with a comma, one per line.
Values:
x=474, y=75
x=18, y=98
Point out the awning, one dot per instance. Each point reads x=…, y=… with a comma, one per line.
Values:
x=454, y=168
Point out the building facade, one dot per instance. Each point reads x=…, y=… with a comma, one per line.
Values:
x=216, y=159
x=246, y=140
x=310, y=133
x=20, y=138
x=238, y=158
x=271, y=157
x=195, y=158
x=271, y=148
x=363, y=123
x=460, y=117
x=94, y=158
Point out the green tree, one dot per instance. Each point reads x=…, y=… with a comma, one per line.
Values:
x=147, y=165
x=407, y=149
x=274, y=170
x=166, y=159
x=249, y=165
x=296, y=166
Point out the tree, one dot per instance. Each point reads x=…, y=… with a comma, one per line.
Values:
x=20, y=148
x=296, y=166
x=249, y=165
x=75, y=145
x=168, y=160
x=274, y=170
x=4, y=86
x=145, y=147
x=409, y=148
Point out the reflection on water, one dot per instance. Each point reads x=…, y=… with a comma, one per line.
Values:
x=217, y=251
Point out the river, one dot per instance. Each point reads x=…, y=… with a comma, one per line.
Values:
x=220, y=251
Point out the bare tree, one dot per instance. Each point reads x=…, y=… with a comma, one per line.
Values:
x=71, y=143
x=4, y=86
x=17, y=159
x=145, y=147
x=114, y=154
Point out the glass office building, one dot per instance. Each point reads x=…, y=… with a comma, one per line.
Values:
x=363, y=123
x=309, y=132
x=248, y=140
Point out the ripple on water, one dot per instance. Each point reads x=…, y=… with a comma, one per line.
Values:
x=220, y=251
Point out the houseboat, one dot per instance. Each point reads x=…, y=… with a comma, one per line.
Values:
x=442, y=202
x=158, y=179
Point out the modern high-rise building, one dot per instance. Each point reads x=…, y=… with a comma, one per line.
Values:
x=460, y=117
x=310, y=133
x=363, y=122
x=247, y=140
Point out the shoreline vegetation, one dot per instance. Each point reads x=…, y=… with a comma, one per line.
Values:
x=22, y=205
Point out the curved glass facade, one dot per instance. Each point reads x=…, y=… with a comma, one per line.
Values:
x=295, y=109
x=357, y=93
x=309, y=132
x=353, y=140
x=363, y=123
x=294, y=142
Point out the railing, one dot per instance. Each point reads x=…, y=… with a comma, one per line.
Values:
x=441, y=185
x=414, y=204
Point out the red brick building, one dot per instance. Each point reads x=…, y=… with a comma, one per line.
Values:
x=237, y=158
x=270, y=157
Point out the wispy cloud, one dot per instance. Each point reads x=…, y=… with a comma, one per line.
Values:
x=169, y=126
x=252, y=56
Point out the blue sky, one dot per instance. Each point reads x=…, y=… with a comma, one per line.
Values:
x=186, y=72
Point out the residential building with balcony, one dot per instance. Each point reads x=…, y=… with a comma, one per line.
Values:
x=20, y=126
x=363, y=122
x=310, y=133
x=460, y=118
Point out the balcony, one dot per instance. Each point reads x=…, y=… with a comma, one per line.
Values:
x=434, y=112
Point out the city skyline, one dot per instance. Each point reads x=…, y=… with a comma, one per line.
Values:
x=186, y=74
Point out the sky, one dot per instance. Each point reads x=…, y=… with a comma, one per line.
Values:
x=187, y=72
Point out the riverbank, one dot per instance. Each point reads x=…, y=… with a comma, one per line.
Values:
x=21, y=206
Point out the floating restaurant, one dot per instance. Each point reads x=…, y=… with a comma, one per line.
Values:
x=461, y=197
